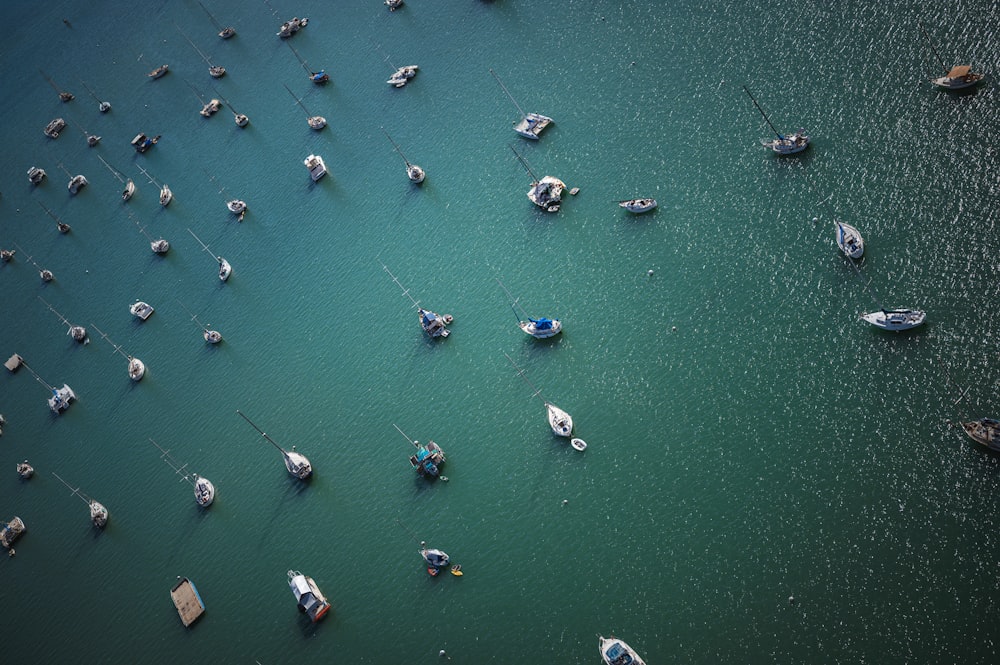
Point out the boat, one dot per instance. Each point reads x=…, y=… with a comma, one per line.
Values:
x=215, y=71
x=211, y=336
x=560, y=421
x=102, y=106
x=849, y=240
x=141, y=310
x=44, y=273
x=428, y=459
x=435, y=559
x=985, y=431
x=531, y=124
x=541, y=328
x=78, y=333
x=210, y=108
x=237, y=206
x=895, y=319
x=129, y=190
x=289, y=28
x=434, y=324
x=225, y=270
x=316, y=122
x=402, y=75
x=54, y=127
x=76, y=182
x=62, y=226
x=25, y=470
x=960, y=77
x=142, y=143
x=98, y=513
x=166, y=195
x=296, y=463
x=782, y=144
x=61, y=397
x=11, y=531
x=136, y=368
x=158, y=72
x=310, y=599
x=320, y=77
x=546, y=193
x=393, y=5
x=578, y=444
x=63, y=95
x=6, y=255
x=413, y=172
x=224, y=33
x=316, y=166
x=617, y=652
x=638, y=205
x=187, y=600
x=204, y=490
x=36, y=175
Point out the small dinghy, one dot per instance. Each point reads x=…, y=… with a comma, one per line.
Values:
x=578, y=444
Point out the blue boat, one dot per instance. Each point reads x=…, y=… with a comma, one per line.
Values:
x=428, y=459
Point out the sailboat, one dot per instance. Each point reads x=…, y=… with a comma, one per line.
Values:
x=435, y=559
x=78, y=333
x=102, y=106
x=434, y=324
x=204, y=490
x=224, y=33
x=215, y=71
x=159, y=245
x=208, y=108
x=92, y=139
x=166, y=196
x=129, y=185
x=849, y=240
x=546, y=193
x=136, y=368
x=62, y=226
x=413, y=172
x=98, y=513
x=541, y=328
x=531, y=124
x=985, y=431
x=44, y=273
x=783, y=144
x=241, y=119
x=211, y=336
x=959, y=77
x=316, y=122
x=61, y=397
x=225, y=270
x=895, y=319
x=319, y=78
x=428, y=459
x=296, y=463
x=63, y=95
x=560, y=421
x=401, y=75
x=75, y=181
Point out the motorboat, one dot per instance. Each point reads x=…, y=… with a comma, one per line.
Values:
x=289, y=28
x=895, y=319
x=393, y=5
x=210, y=108
x=11, y=531
x=75, y=183
x=36, y=175
x=434, y=324
x=141, y=310
x=638, y=205
x=46, y=275
x=227, y=32
x=316, y=166
x=310, y=599
x=166, y=196
x=578, y=444
x=850, y=241
x=159, y=72
x=296, y=463
x=61, y=397
x=129, y=190
x=93, y=140
x=142, y=143
x=617, y=652
x=136, y=368
x=985, y=431
x=547, y=193
x=25, y=470
x=54, y=127
x=782, y=144
x=236, y=206
x=560, y=421
x=402, y=76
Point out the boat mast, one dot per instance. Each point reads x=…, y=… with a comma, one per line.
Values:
x=262, y=433
x=766, y=119
x=396, y=147
x=118, y=349
x=53, y=309
x=146, y=173
x=115, y=172
x=931, y=44
x=524, y=164
x=406, y=292
x=514, y=302
x=538, y=393
x=415, y=444
x=194, y=317
x=203, y=56
x=38, y=378
x=205, y=247
x=51, y=214
x=304, y=65
x=75, y=491
x=172, y=463
x=504, y=88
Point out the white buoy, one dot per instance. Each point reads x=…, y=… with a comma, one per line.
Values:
x=815, y=220
x=649, y=272
x=565, y=501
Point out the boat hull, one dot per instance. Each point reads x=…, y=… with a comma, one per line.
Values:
x=896, y=319
x=638, y=205
x=985, y=431
x=617, y=652
x=542, y=328
x=849, y=241
x=560, y=421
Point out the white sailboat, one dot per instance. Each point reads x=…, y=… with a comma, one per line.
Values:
x=127, y=182
x=296, y=463
x=560, y=421
x=215, y=71
x=61, y=226
x=434, y=324
x=782, y=144
x=166, y=196
x=895, y=319
x=44, y=273
x=136, y=368
x=316, y=122
x=211, y=336
x=224, y=33
x=60, y=397
x=545, y=192
x=849, y=240
x=413, y=172
x=531, y=124
x=102, y=106
x=98, y=513
x=78, y=333
x=225, y=270
x=541, y=328
x=158, y=245
x=204, y=490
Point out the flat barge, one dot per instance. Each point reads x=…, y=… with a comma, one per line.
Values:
x=187, y=601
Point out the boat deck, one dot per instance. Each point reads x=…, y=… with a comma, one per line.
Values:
x=13, y=363
x=187, y=601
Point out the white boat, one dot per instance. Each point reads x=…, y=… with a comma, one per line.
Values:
x=75, y=183
x=78, y=333
x=402, y=76
x=241, y=119
x=895, y=319
x=393, y=5
x=141, y=310
x=316, y=166
x=434, y=324
x=546, y=193
x=129, y=190
x=617, y=652
x=11, y=531
x=782, y=144
x=36, y=175
x=25, y=470
x=638, y=205
x=236, y=206
x=225, y=270
x=158, y=245
x=166, y=196
x=136, y=368
x=985, y=431
x=959, y=77
x=204, y=490
x=296, y=463
x=211, y=336
x=102, y=106
x=54, y=127
x=578, y=444
x=413, y=172
x=531, y=124
x=224, y=33
x=309, y=598
x=316, y=122
x=159, y=72
x=216, y=71
x=435, y=559
x=210, y=108
x=849, y=240
x=98, y=513
x=289, y=28
x=560, y=421
x=61, y=397
x=541, y=328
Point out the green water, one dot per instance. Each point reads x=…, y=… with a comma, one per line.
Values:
x=772, y=445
